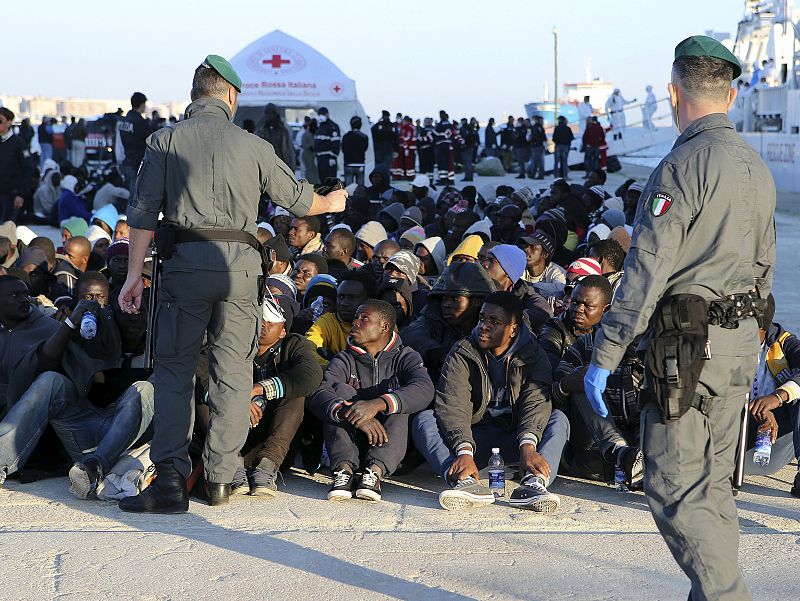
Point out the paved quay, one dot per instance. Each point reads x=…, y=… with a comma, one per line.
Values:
x=600, y=545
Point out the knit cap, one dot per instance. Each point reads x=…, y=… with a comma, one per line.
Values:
x=371, y=233
x=585, y=266
x=512, y=259
x=407, y=262
x=469, y=246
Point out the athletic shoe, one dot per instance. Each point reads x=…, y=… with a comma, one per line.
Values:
x=533, y=494
x=466, y=494
x=84, y=478
x=796, y=487
x=239, y=482
x=369, y=488
x=342, y=487
x=631, y=460
x=263, y=482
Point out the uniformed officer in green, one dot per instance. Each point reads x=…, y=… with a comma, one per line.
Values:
x=206, y=176
x=704, y=226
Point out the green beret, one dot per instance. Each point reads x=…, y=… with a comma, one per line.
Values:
x=225, y=70
x=701, y=45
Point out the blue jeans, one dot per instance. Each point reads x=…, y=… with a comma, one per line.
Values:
x=466, y=161
x=560, y=165
x=537, y=161
x=430, y=442
x=522, y=155
x=591, y=158
x=47, y=153
x=85, y=431
x=354, y=174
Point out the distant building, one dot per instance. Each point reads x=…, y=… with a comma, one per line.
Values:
x=36, y=107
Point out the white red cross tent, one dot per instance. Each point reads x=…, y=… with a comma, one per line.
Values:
x=280, y=69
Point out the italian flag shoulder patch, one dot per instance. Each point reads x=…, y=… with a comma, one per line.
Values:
x=660, y=204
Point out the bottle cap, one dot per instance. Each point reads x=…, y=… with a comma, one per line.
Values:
x=495, y=451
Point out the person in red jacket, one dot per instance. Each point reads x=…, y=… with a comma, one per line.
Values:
x=593, y=139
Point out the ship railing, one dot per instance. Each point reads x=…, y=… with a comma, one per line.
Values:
x=634, y=116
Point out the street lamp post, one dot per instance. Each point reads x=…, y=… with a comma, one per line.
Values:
x=555, y=82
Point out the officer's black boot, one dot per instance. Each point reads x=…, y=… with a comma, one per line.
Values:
x=167, y=494
x=218, y=494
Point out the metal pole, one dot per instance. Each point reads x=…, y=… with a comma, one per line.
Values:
x=555, y=82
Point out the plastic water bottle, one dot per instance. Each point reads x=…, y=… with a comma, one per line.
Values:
x=497, y=474
x=262, y=404
x=89, y=326
x=619, y=479
x=763, y=448
x=317, y=307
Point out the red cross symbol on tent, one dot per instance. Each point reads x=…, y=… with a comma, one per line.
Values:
x=276, y=61
x=336, y=88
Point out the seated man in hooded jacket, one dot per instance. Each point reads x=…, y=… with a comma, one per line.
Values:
x=367, y=395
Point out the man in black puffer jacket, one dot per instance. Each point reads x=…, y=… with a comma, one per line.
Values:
x=590, y=299
x=600, y=443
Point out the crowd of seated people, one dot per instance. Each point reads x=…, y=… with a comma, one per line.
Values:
x=422, y=331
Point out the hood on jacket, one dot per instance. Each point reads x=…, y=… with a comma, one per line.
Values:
x=523, y=337
x=482, y=228
x=404, y=288
x=463, y=279
x=383, y=170
x=435, y=246
x=393, y=345
x=9, y=230
x=429, y=205
x=414, y=235
x=395, y=211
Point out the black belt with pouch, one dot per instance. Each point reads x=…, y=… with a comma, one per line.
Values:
x=166, y=237
x=674, y=358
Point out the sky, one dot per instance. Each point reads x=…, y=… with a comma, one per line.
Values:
x=471, y=58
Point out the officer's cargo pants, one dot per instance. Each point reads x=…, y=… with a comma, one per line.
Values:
x=191, y=303
x=689, y=463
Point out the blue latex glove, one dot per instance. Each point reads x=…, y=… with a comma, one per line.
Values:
x=594, y=383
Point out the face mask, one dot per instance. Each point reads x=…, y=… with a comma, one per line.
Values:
x=322, y=118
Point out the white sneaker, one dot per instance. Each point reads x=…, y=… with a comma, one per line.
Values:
x=466, y=494
x=533, y=494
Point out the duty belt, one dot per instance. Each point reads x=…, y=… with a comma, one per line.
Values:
x=729, y=311
x=166, y=237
